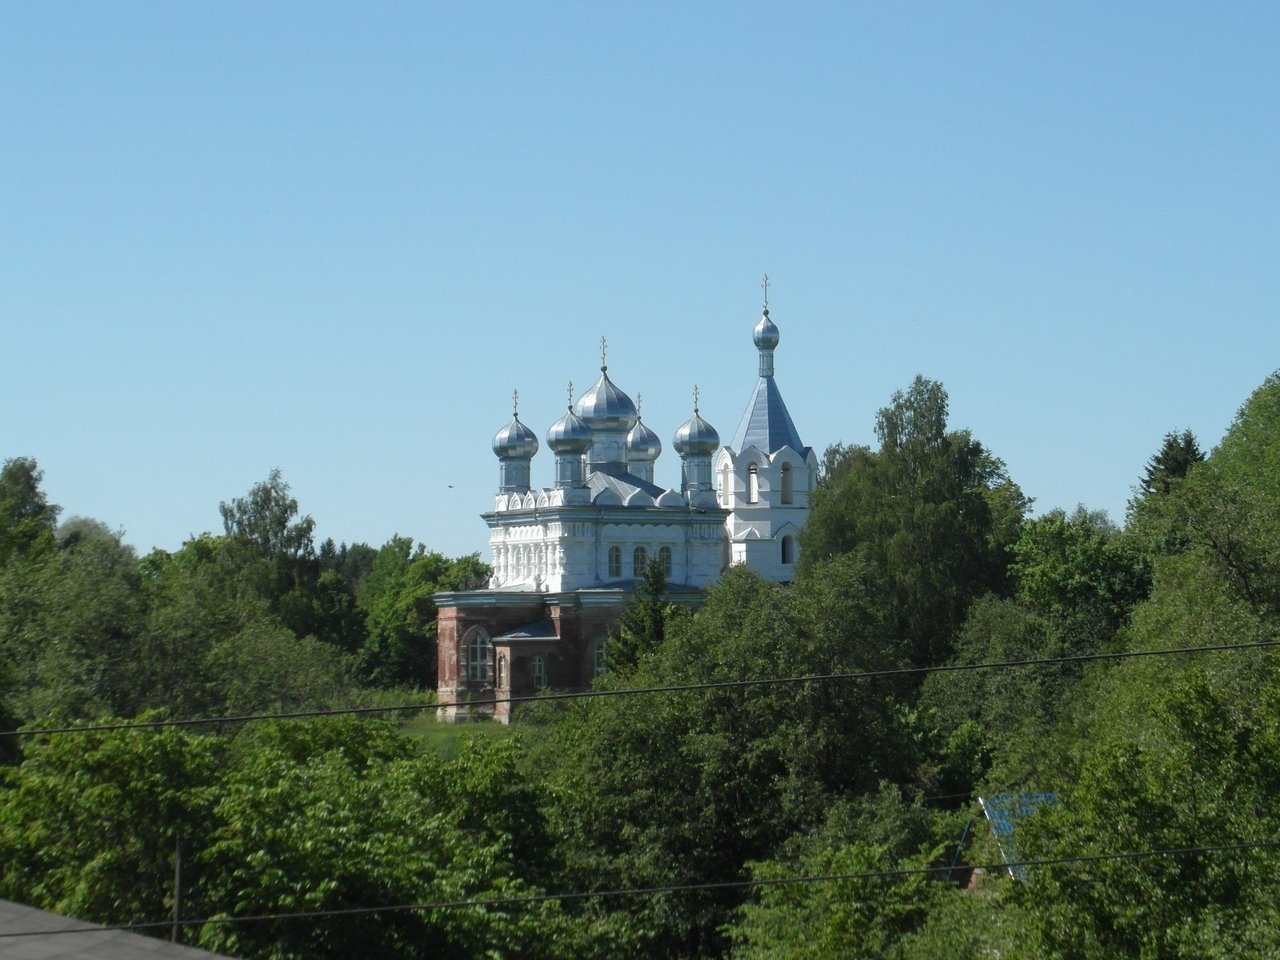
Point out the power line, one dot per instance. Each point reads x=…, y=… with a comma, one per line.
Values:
x=533, y=899
x=633, y=691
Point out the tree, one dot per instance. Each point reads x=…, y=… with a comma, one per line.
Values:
x=1081, y=573
x=689, y=787
x=69, y=622
x=1173, y=461
x=643, y=623
x=27, y=518
x=396, y=599
x=89, y=821
x=274, y=553
x=932, y=512
x=343, y=813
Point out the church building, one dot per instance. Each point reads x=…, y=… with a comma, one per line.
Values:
x=566, y=558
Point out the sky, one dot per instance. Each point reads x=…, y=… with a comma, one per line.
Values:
x=334, y=238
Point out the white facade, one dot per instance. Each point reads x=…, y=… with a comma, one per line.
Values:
x=604, y=518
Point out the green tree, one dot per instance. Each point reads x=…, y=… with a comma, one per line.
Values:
x=932, y=512
x=273, y=554
x=689, y=787
x=69, y=620
x=1209, y=779
x=1173, y=461
x=396, y=599
x=89, y=821
x=27, y=518
x=346, y=814
x=1081, y=573
x=643, y=623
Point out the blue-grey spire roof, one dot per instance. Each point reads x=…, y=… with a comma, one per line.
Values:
x=766, y=424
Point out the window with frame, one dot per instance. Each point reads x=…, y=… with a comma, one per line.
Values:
x=664, y=558
x=786, y=483
x=479, y=653
x=538, y=671
x=753, y=484
x=615, y=561
x=638, y=559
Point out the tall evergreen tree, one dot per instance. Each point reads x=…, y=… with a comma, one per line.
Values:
x=1177, y=455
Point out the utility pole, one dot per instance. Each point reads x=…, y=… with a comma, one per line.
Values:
x=176, y=935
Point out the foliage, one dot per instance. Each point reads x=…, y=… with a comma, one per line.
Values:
x=26, y=517
x=323, y=815
x=931, y=512
x=400, y=615
x=844, y=916
x=67, y=619
x=1173, y=461
x=338, y=818
x=89, y=821
x=1209, y=779
x=643, y=623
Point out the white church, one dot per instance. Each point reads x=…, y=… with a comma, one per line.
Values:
x=566, y=558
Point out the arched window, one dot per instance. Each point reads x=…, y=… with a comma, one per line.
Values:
x=664, y=558
x=638, y=560
x=726, y=485
x=753, y=484
x=479, y=654
x=601, y=664
x=786, y=483
x=615, y=561
x=788, y=550
x=538, y=670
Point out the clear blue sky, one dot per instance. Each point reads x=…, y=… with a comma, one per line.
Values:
x=332, y=238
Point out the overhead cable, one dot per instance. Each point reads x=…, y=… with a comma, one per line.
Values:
x=533, y=899
x=633, y=691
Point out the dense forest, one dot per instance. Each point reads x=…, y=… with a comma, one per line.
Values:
x=996, y=654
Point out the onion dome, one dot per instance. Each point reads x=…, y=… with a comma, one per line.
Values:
x=606, y=408
x=515, y=441
x=696, y=437
x=766, y=335
x=642, y=443
x=570, y=434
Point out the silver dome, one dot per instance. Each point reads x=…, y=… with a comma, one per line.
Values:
x=515, y=441
x=642, y=443
x=766, y=335
x=696, y=437
x=570, y=434
x=605, y=407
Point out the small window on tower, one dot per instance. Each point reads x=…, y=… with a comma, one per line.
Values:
x=786, y=483
x=753, y=484
x=788, y=550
